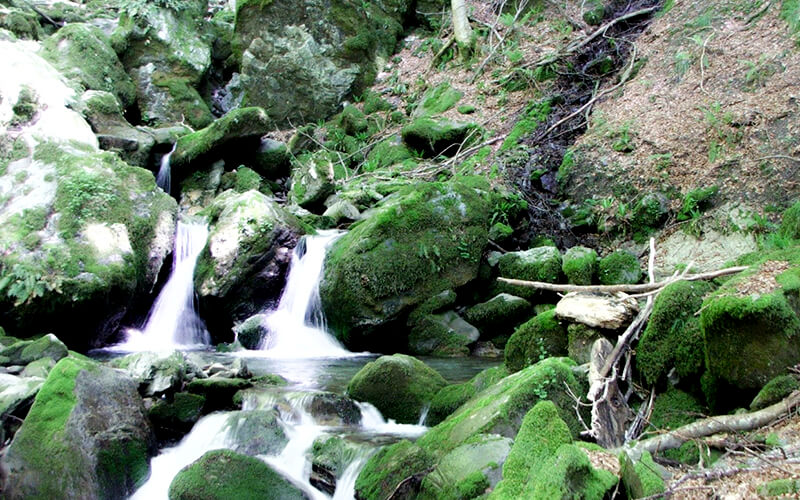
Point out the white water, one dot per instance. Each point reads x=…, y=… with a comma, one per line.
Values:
x=297, y=326
x=172, y=321
x=164, y=177
x=209, y=433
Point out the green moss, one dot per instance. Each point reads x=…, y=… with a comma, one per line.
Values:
x=775, y=390
x=224, y=474
x=541, y=337
x=11, y=151
x=642, y=479
x=672, y=338
x=184, y=99
x=185, y=408
x=790, y=223
x=399, y=386
x=439, y=137
x=500, y=408
x=438, y=100
x=387, y=468
x=580, y=339
x=751, y=339
x=351, y=120
x=674, y=409
x=373, y=103
x=579, y=265
x=790, y=12
x=448, y=400
x=540, y=435
x=220, y=393
x=387, y=153
x=535, y=113
x=569, y=474
x=246, y=179
x=779, y=487
x=25, y=107
x=122, y=462
x=619, y=267
x=333, y=453
x=499, y=315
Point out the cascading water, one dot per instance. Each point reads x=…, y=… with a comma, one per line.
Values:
x=164, y=177
x=172, y=321
x=297, y=326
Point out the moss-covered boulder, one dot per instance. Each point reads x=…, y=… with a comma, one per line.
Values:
x=434, y=137
x=219, y=392
x=156, y=373
x=86, y=435
x=312, y=178
x=83, y=233
x=172, y=419
x=673, y=338
x=437, y=100
x=752, y=332
x=330, y=458
x=247, y=256
x=22, y=23
x=618, y=267
x=83, y=53
x=235, y=137
x=641, y=479
x=569, y=474
x=469, y=470
x=535, y=264
x=451, y=397
x=445, y=334
x=26, y=351
x=332, y=409
x=300, y=58
x=673, y=409
x=541, y=434
x=420, y=241
x=400, y=386
x=252, y=331
x=387, y=153
x=500, y=408
x=775, y=390
x=579, y=265
x=541, y=337
x=256, y=432
x=580, y=339
x=225, y=474
x=391, y=465
x=498, y=316
x=167, y=51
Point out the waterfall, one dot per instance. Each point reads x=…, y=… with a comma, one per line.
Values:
x=164, y=177
x=297, y=326
x=172, y=321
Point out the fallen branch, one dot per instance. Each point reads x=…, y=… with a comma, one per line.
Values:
x=626, y=288
x=713, y=425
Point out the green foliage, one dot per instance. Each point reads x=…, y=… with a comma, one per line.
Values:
x=672, y=338
x=541, y=337
x=790, y=12
x=720, y=131
x=790, y=223
x=780, y=487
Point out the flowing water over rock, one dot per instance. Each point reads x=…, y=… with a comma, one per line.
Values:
x=297, y=326
x=164, y=176
x=172, y=321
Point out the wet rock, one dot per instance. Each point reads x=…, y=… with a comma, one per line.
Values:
x=172, y=419
x=26, y=351
x=252, y=331
x=219, y=392
x=312, y=178
x=114, y=133
x=256, y=432
x=332, y=409
x=437, y=137
x=499, y=315
x=86, y=435
x=445, y=334
x=155, y=372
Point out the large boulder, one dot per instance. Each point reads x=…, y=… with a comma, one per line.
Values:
x=27, y=351
x=83, y=53
x=157, y=373
x=535, y=264
x=85, y=436
x=498, y=316
x=225, y=474
x=391, y=465
x=449, y=398
x=247, y=256
x=541, y=337
x=751, y=327
x=300, y=58
x=400, y=386
x=81, y=231
x=256, y=432
x=418, y=242
x=166, y=53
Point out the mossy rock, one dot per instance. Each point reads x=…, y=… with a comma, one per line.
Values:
x=642, y=479
x=500, y=408
x=779, y=488
x=94, y=234
x=673, y=409
x=540, y=435
x=536, y=264
x=173, y=419
x=451, y=397
x=673, y=338
x=219, y=392
x=387, y=153
x=252, y=331
x=27, y=351
x=541, y=337
x=225, y=474
x=256, y=432
x=649, y=213
x=351, y=120
x=83, y=53
x=593, y=12
x=579, y=265
x=23, y=24
x=313, y=177
x=445, y=334
x=499, y=315
x=86, y=435
x=569, y=474
x=387, y=468
x=437, y=100
x=420, y=241
x=168, y=100
x=790, y=223
x=469, y=470
x=333, y=454
x=226, y=137
x=332, y=409
x=156, y=373
x=619, y=267
x=775, y=391
x=752, y=338
x=434, y=137
x=580, y=339
x=400, y=386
